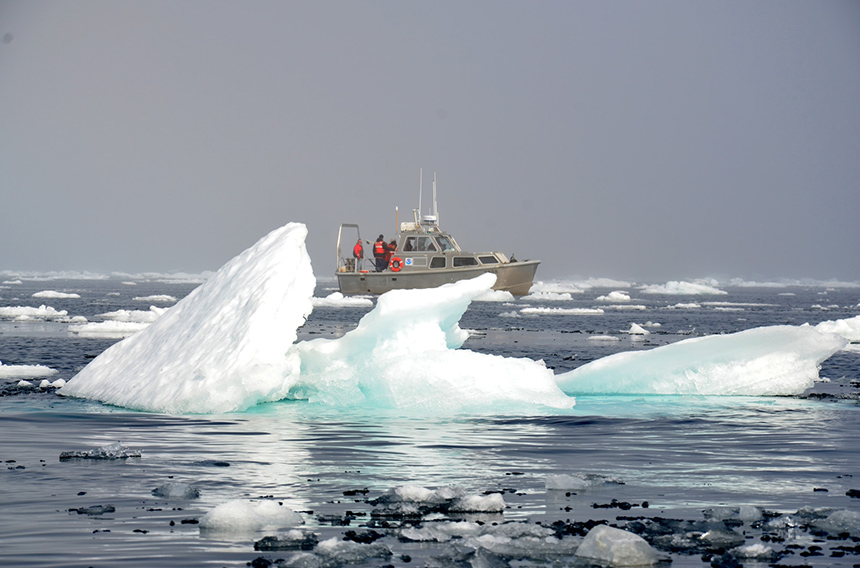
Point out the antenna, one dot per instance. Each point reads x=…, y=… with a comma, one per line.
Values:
x=420, y=187
x=435, y=208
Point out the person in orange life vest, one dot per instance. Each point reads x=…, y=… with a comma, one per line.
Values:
x=389, y=251
x=379, y=248
x=358, y=250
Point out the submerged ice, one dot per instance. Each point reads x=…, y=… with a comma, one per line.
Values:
x=231, y=344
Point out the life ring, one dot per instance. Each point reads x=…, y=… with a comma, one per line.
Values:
x=395, y=265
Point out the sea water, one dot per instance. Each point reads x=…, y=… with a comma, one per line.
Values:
x=685, y=457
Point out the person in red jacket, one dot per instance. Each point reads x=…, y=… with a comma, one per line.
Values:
x=389, y=251
x=379, y=248
x=358, y=250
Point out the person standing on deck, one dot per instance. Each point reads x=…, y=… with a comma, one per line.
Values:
x=379, y=248
x=389, y=251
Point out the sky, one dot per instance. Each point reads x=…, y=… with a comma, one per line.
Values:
x=648, y=141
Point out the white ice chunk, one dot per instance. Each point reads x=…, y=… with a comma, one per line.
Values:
x=226, y=346
x=495, y=296
x=616, y=296
x=563, y=311
x=847, y=328
x=54, y=294
x=176, y=490
x=242, y=516
x=636, y=329
x=404, y=354
x=115, y=329
x=578, y=481
x=338, y=300
x=157, y=298
x=29, y=371
x=683, y=288
x=757, y=551
x=135, y=316
x=27, y=312
x=548, y=297
x=616, y=547
x=765, y=361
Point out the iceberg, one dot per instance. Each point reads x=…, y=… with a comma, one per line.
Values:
x=231, y=344
x=226, y=346
x=765, y=361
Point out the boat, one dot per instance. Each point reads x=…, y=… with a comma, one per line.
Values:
x=425, y=257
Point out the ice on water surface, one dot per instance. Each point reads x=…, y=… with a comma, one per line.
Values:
x=231, y=344
x=766, y=361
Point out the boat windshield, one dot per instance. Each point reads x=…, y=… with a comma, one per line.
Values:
x=419, y=244
x=445, y=243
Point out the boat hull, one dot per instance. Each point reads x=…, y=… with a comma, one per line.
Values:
x=514, y=277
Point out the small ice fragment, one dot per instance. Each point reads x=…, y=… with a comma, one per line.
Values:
x=290, y=540
x=840, y=521
x=114, y=451
x=249, y=516
x=758, y=551
x=24, y=384
x=95, y=510
x=578, y=481
x=616, y=547
x=636, y=329
x=176, y=490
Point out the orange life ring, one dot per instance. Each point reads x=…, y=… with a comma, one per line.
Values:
x=395, y=265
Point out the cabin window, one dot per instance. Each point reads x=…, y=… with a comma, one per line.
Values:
x=445, y=243
x=417, y=261
x=437, y=262
x=488, y=260
x=465, y=261
x=419, y=244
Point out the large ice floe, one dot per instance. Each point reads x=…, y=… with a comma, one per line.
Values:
x=231, y=344
x=765, y=361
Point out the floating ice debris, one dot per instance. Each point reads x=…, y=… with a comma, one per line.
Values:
x=636, y=329
x=495, y=296
x=626, y=307
x=683, y=288
x=293, y=539
x=563, y=311
x=135, y=316
x=158, y=298
x=511, y=314
x=54, y=294
x=579, y=481
x=30, y=371
x=756, y=551
x=686, y=306
x=616, y=547
x=841, y=521
x=224, y=347
x=547, y=297
x=410, y=500
x=617, y=296
x=249, y=516
x=59, y=383
x=442, y=531
x=115, y=451
x=562, y=287
x=24, y=384
x=336, y=552
x=603, y=338
x=404, y=354
x=338, y=300
x=176, y=490
x=43, y=312
x=748, y=513
x=765, y=361
x=108, y=329
x=847, y=328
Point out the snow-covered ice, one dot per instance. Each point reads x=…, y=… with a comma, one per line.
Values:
x=338, y=300
x=241, y=516
x=231, y=344
x=27, y=371
x=55, y=294
x=226, y=346
x=675, y=287
x=766, y=361
x=616, y=296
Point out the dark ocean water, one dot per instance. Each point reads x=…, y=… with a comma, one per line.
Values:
x=681, y=460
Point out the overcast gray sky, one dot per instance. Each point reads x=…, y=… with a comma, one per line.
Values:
x=635, y=140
